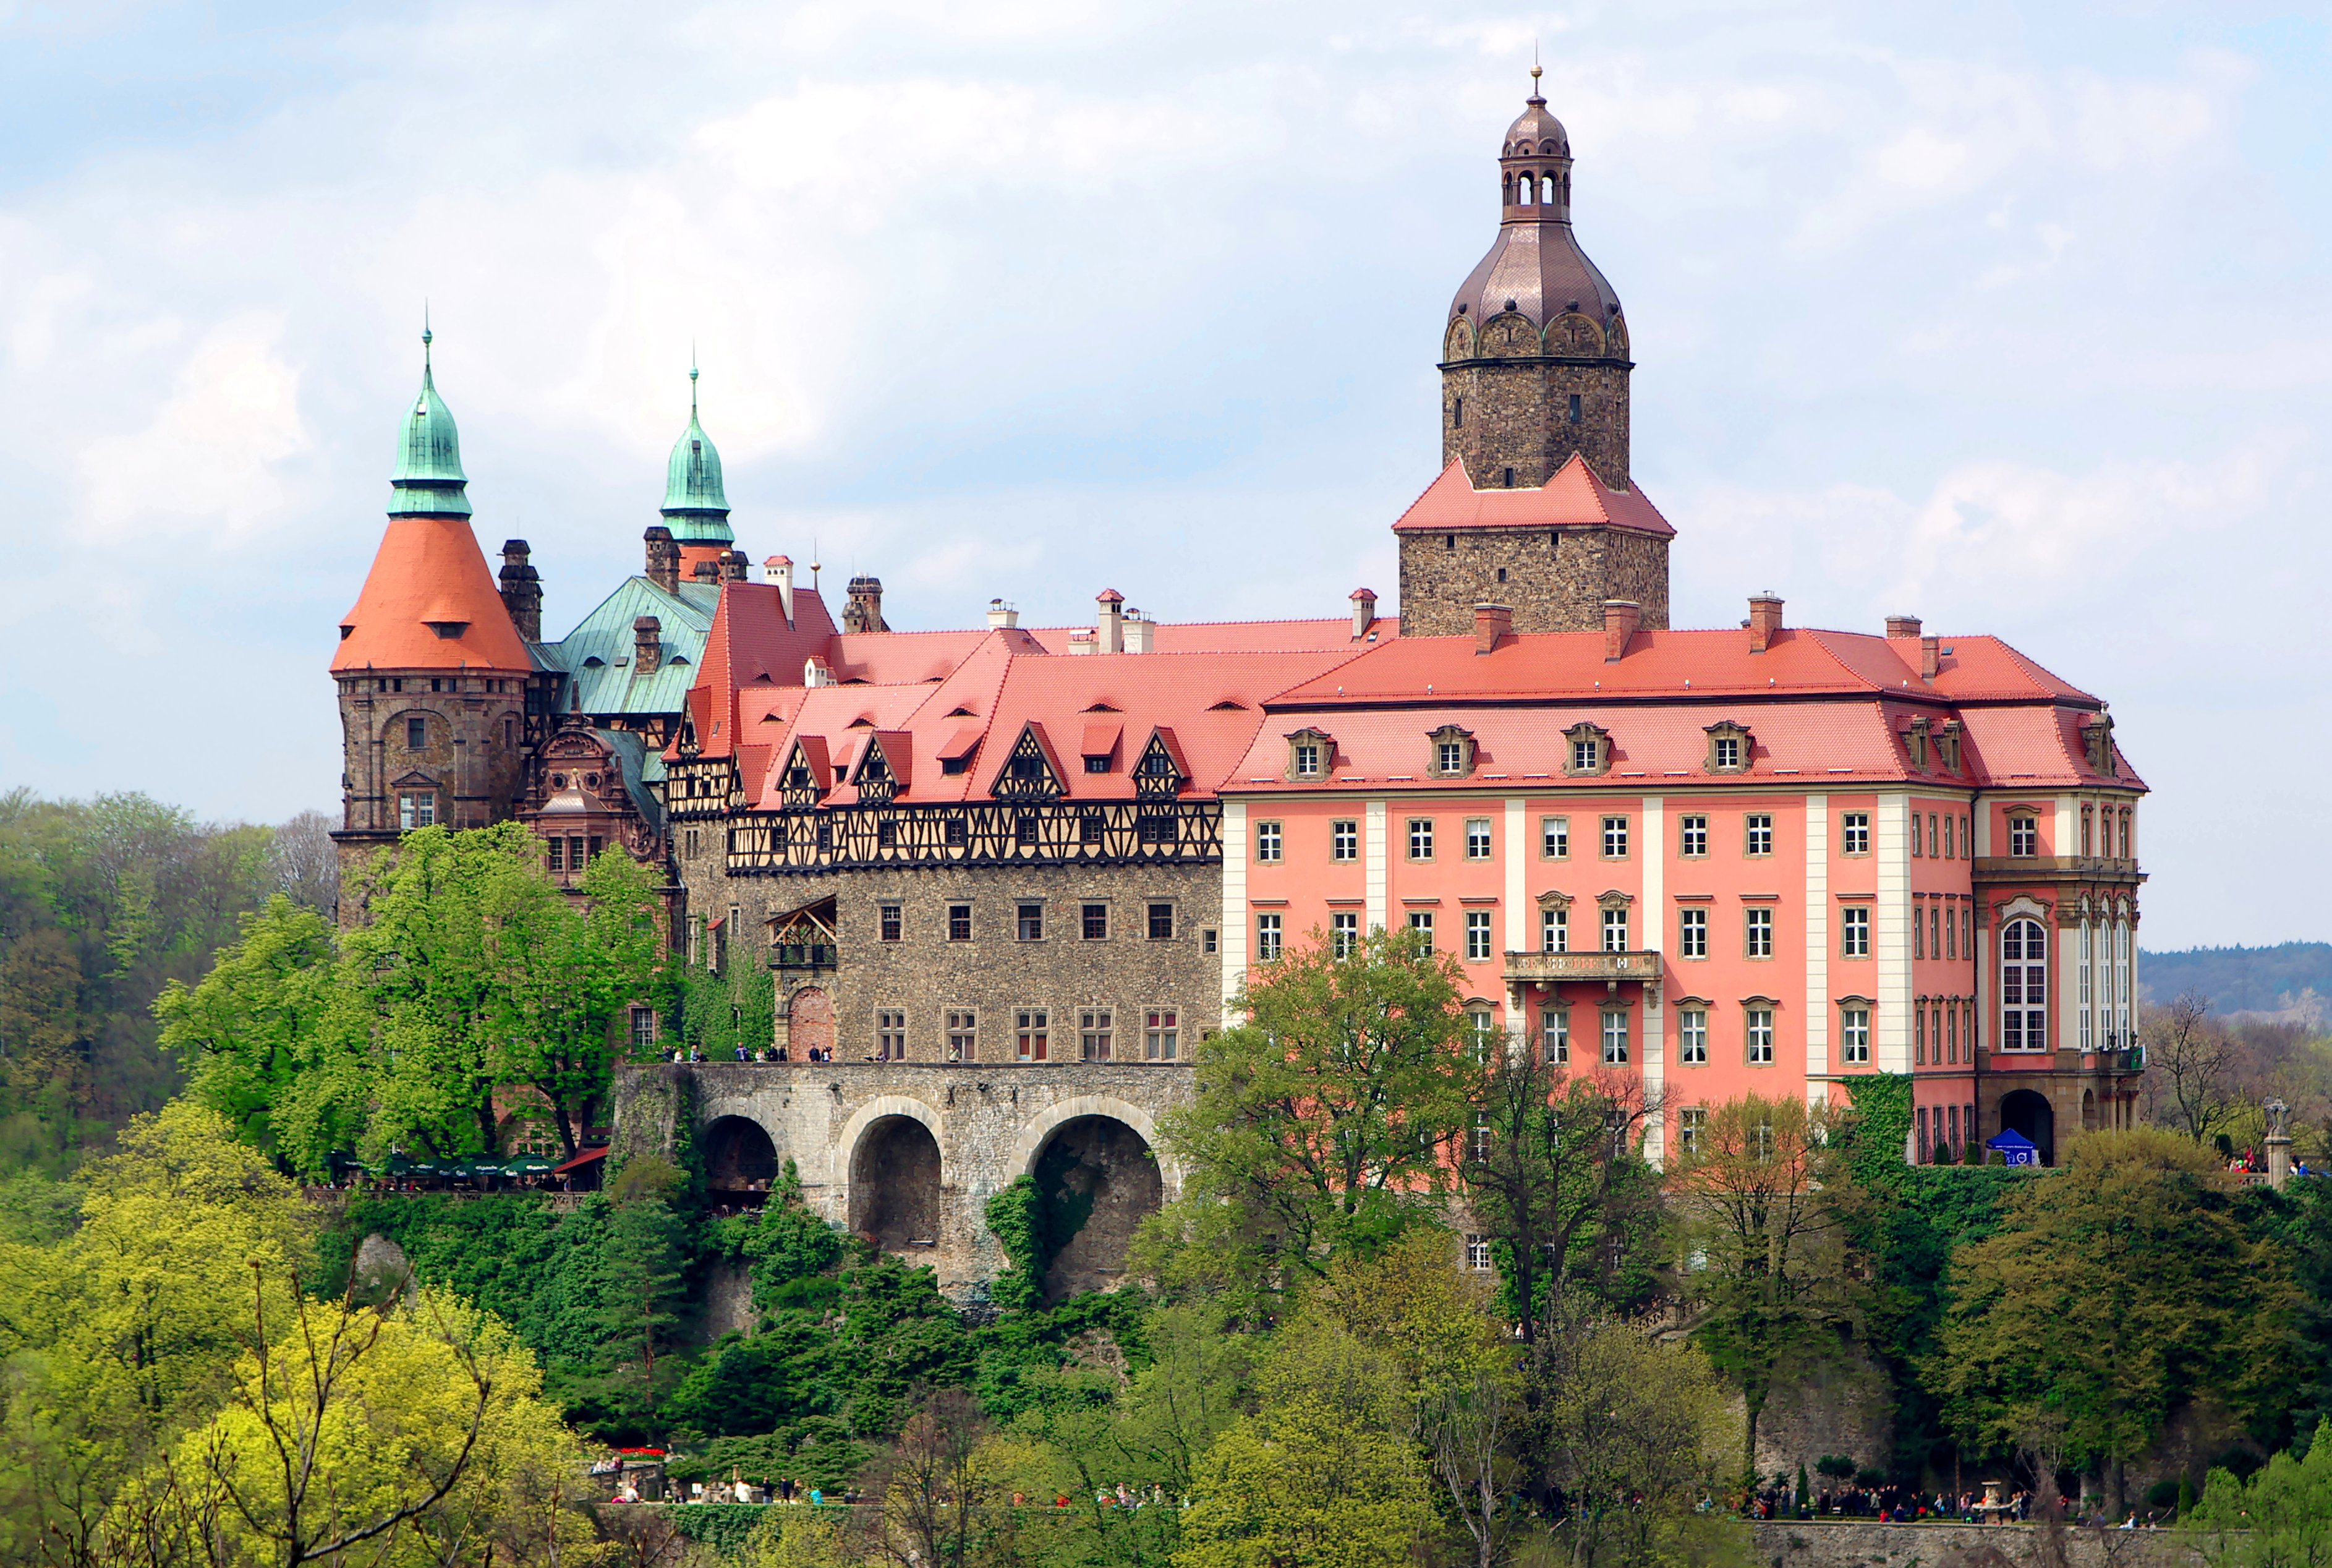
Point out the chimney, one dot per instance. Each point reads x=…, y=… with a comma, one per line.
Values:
x=708, y=573
x=1492, y=622
x=664, y=558
x=1109, y=635
x=647, y=643
x=1931, y=658
x=1902, y=626
x=521, y=591
x=1000, y=616
x=864, y=613
x=1138, y=630
x=781, y=569
x=1765, y=620
x=1365, y=611
x=1620, y=619
x=733, y=566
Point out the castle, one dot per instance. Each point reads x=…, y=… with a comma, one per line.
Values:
x=1001, y=880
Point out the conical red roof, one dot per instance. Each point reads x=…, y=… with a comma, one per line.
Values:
x=427, y=574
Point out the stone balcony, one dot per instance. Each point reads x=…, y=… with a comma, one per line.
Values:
x=1548, y=968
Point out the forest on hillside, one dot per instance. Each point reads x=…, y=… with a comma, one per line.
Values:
x=2241, y=980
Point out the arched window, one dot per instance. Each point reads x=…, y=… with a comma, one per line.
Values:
x=1506, y=188
x=1525, y=185
x=1546, y=189
x=2024, y=987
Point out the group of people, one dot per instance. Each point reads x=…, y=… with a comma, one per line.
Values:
x=749, y=1054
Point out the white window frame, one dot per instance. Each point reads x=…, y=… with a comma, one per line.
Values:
x=1692, y=932
x=1343, y=932
x=1554, y=930
x=1757, y=1035
x=1854, y=833
x=1615, y=837
x=1269, y=841
x=1692, y=836
x=1478, y=838
x=1554, y=1034
x=1615, y=924
x=1692, y=1037
x=2021, y=1019
x=1422, y=920
x=1266, y=936
x=1554, y=839
x=1757, y=834
x=2023, y=836
x=1344, y=839
x=1854, y=931
x=1757, y=931
x=1478, y=935
x=1477, y=1253
x=1854, y=1035
x=1615, y=1033
x=1692, y=1120
x=1420, y=839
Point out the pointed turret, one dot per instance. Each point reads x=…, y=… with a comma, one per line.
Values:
x=428, y=481
x=695, y=507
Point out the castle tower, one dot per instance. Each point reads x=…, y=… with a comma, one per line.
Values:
x=433, y=674
x=1533, y=400
x=695, y=507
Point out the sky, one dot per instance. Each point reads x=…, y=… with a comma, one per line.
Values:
x=2017, y=317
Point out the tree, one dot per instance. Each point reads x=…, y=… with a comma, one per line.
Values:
x=642, y=1295
x=2190, y=1067
x=1766, y=1205
x=2113, y=1290
x=245, y=1033
x=1641, y=1438
x=931, y=1490
x=2280, y=1518
x=1325, y=1120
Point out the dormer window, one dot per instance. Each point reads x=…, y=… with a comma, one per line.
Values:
x=1729, y=748
x=1947, y=736
x=1915, y=741
x=1453, y=752
x=2096, y=740
x=1588, y=751
x=1309, y=751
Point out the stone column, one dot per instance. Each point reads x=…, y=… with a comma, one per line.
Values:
x=2279, y=1144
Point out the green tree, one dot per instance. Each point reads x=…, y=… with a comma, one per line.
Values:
x=2116, y=1289
x=642, y=1295
x=2280, y=1518
x=1641, y=1438
x=1765, y=1207
x=245, y=1033
x=1325, y=1120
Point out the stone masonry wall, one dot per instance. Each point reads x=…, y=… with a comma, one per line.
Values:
x=1517, y=416
x=1862, y=1544
x=990, y=1122
x=1555, y=582
x=995, y=975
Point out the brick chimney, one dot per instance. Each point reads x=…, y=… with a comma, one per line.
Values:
x=1620, y=619
x=781, y=569
x=664, y=558
x=1899, y=626
x=864, y=613
x=1765, y=620
x=1491, y=622
x=647, y=643
x=733, y=566
x=1931, y=658
x=1109, y=631
x=1365, y=611
x=521, y=588
x=707, y=573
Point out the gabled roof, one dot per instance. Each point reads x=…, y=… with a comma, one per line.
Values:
x=429, y=569
x=613, y=685
x=1572, y=497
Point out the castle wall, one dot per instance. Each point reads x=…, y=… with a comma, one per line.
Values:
x=1554, y=581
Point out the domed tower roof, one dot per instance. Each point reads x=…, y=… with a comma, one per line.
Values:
x=1536, y=266
x=428, y=481
x=695, y=502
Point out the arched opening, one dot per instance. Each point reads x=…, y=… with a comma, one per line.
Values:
x=810, y=1015
x=2025, y=1111
x=740, y=1160
x=1546, y=190
x=894, y=1185
x=2088, y=1112
x=1098, y=1179
x=1525, y=184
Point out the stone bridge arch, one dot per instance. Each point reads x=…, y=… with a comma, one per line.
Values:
x=1094, y=1159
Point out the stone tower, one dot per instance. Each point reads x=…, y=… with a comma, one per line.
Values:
x=1533, y=400
x=432, y=673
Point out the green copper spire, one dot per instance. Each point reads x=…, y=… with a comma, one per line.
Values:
x=694, y=502
x=428, y=480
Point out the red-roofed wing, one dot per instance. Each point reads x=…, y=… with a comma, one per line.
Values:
x=1572, y=497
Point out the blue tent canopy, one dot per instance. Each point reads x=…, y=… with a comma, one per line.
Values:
x=2014, y=1148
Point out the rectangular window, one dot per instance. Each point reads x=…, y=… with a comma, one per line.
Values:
x=890, y=921
x=1727, y=752
x=1951, y=933
x=1854, y=932
x=1952, y=1033
x=1267, y=938
x=1449, y=756
x=1692, y=1124
x=1757, y=833
x=1554, y=1034
x=1343, y=932
x=1162, y=1030
x=1477, y=1253
x=1030, y=1035
x=418, y=809
x=2024, y=838
x=1554, y=837
x=1919, y=1037
x=1093, y=919
x=1757, y=930
x=1094, y=1032
x=1480, y=1147
x=1586, y=755
x=595, y=851
x=959, y=923
x=1615, y=1037
x=1421, y=920
x=890, y=1035
x=1949, y=852
x=1692, y=1037
x=1854, y=833
x=688, y=844
x=962, y=1035
x=1024, y=830
x=1934, y=930
x=1615, y=930
x=1266, y=841
x=1207, y=940
x=1307, y=758
x=1482, y=1027
x=416, y=733
x=1420, y=839
x=1926, y=1155
x=1097, y=764
x=644, y=1026
x=1478, y=934
x=1615, y=838
x=1343, y=839
x=958, y=832
x=1692, y=932
x=1914, y=835
x=1028, y=919
x=1478, y=838
x=1759, y=1034
x=555, y=853
x=1934, y=844
x=1554, y=931
x=1161, y=922
x=1854, y=1035
x=1692, y=836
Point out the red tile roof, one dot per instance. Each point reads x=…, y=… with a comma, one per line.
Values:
x=1572, y=497
x=429, y=569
